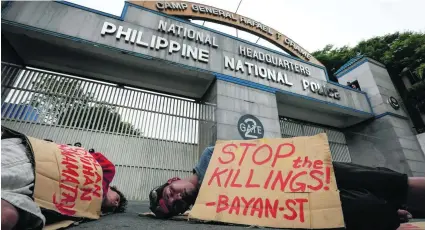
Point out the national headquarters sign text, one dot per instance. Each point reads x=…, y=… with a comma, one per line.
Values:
x=208, y=13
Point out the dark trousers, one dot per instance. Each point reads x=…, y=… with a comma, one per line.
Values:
x=370, y=197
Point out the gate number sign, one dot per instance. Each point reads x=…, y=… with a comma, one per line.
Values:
x=393, y=102
x=250, y=127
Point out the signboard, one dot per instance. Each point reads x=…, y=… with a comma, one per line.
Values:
x=274, y=69
x=208, y=13
x=250, y=127
x=68, y=179
x=412, y=226
x=280, y=183
x=393, y=102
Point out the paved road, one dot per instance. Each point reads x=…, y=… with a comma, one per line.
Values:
x=131, y=220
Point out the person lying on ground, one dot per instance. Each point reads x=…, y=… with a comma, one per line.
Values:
x=371, y=198
x=19, y=209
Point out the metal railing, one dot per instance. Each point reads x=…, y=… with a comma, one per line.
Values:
x=150, y=137
x=337, y=141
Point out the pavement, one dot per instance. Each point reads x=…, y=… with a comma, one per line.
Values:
x=131, y=220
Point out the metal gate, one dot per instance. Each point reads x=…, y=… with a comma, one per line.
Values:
x=337, y=142
x=150, y=137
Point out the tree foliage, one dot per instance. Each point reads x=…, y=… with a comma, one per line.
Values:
x=64, y=101
x=333, y=58
x=400, y=51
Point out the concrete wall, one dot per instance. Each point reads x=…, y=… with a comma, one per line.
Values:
x=386, y=89
x=387, y=141
x=80, y=24
x=421, y=140
x=375, y=80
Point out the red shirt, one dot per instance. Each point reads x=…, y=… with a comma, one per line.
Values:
x=108, y=170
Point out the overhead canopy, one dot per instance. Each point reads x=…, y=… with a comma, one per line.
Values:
x=62, y=55
x=320, y=113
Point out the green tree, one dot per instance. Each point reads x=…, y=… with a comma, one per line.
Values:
x=406, y=53
x=63, y=101
x=333, y=58
x=399, y=51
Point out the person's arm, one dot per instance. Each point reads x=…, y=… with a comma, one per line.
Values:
x=201, y=168
x=108, y=170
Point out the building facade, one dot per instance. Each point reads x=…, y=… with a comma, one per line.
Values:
x=151, y=90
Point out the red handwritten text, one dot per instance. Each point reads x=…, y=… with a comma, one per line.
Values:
x=290, y=209
x=305, y=175
x=75, y=160
x=284, y=150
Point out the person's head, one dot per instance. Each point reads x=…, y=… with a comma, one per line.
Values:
x=354, y=86
x=114, y=201
x=172, y=198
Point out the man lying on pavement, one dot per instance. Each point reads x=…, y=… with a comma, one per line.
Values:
x=27, y=169
x=371, y=198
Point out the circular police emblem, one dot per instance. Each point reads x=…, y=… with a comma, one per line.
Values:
x=393, y=102
x=250, y=127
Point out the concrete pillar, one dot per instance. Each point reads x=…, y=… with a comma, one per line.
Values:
x=234, y=101
x=207, y=124
x=387, y=140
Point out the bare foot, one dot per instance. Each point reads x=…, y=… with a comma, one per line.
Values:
x=416, y=194
x=404, y=215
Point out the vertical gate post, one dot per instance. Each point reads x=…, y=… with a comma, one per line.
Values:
x=207, y=126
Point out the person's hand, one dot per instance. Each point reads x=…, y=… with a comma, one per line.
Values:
x=404, y=215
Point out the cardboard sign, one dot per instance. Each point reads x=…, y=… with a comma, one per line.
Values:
x=281, y=183
x=68, y=179
x=413, y=225
x=59, y=225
